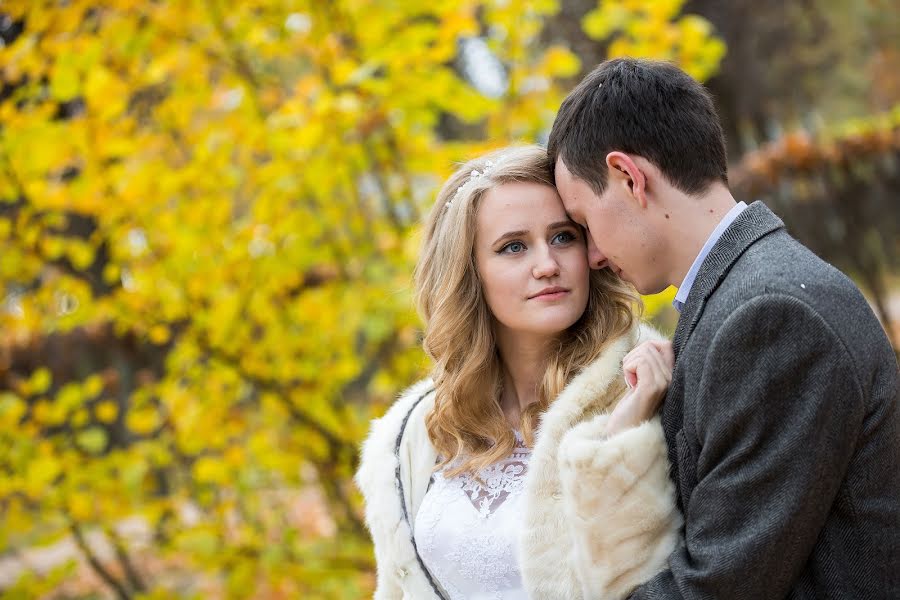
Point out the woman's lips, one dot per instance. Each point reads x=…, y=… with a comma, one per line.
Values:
x=550, y=294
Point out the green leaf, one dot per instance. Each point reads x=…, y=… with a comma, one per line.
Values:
x=92, y=439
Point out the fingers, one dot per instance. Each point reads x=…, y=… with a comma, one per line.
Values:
x=666, y=351
x=649, y=363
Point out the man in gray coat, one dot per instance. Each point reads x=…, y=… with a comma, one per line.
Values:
x=783, y=418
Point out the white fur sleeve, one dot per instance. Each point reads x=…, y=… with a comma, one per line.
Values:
x=619, y=503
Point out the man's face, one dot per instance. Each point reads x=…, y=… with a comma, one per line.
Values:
x=619, y=236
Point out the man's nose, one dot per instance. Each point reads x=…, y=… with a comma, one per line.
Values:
x=596, y=259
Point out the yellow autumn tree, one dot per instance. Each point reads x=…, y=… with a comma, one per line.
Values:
x=208, y=213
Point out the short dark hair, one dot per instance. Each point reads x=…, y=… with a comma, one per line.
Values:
x=649, y=108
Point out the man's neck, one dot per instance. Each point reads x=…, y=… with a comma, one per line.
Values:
x=693, y=223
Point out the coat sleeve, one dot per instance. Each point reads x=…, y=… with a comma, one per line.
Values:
x=776, y=416
x=620, y=504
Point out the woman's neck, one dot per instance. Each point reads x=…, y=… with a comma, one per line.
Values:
x=523, y=362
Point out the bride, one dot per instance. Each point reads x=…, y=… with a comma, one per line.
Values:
x=524, y=467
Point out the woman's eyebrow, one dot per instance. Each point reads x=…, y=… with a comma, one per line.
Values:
x=561, y=224
x=511, y=234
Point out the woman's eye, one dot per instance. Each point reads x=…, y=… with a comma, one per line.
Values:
x=513, y=248
x=563, y=237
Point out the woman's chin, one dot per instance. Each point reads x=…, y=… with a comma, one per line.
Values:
x=553, y=326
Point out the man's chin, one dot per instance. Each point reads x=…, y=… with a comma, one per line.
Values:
x=647, y=290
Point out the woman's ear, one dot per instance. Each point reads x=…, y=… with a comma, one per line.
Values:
x=624, y=171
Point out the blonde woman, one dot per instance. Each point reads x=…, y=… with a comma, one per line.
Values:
x=524, y=467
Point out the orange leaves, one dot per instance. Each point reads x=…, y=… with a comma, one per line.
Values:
x=800, y=154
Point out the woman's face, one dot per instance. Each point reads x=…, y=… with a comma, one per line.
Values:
x=532, y=260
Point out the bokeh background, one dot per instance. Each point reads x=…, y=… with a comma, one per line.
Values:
x=209, y=214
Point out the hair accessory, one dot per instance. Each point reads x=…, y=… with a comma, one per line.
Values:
x=473, y=176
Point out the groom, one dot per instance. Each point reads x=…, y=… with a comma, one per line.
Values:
x=783, y=418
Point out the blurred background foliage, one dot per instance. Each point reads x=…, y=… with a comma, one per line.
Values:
x=209, y=215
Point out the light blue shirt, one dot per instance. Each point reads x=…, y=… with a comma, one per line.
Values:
x=685, y=288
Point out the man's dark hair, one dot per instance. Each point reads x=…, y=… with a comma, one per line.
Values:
x=649, y=108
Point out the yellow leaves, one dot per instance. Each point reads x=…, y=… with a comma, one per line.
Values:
x=235, y=456
x=263, y=451
x=454, y=25
x=93, y=385
x=70, y=396
x=159, y=334
x=80, y=506
x=238, y=192
x=201, y=541
x=40, y=474
x=12, y=408
x=653, y=30
x=112, y=273
x=560, y=62
x=208, y=469
x=699, y=51
x=39, y=382
x=607, y=18
x=92, y=439
x=65, y=79
x=106, y=95
x=80, y=253
x=106, y=411
x=142, y=421
x=660, y=10
x=48, y=413
x=344, y=71
x=52, y=246
x=133, y=470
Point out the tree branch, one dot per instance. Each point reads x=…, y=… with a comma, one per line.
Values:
x=134, y=578
x=96, y=565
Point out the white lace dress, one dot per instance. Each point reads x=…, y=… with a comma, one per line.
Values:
x=466, y=531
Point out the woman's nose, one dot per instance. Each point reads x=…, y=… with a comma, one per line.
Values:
x=547, y=266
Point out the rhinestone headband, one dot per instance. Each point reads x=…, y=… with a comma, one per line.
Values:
x=473, y=176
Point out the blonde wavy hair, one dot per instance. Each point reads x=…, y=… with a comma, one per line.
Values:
x=467, y=425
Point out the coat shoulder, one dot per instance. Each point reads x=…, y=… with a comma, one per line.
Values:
x=379, y=447
x=779, y=266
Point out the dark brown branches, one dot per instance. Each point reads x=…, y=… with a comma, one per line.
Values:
x=117, y=586
x=131, y=573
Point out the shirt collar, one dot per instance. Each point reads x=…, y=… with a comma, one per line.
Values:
x=685, y=288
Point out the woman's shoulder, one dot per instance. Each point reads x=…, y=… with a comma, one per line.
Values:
x=397, y=416
x=380, y=446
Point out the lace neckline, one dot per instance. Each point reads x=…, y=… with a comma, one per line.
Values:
x=489, y=488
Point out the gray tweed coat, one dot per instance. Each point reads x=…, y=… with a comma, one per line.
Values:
x=783, y=429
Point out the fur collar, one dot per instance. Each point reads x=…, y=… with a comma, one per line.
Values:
x=392, y=471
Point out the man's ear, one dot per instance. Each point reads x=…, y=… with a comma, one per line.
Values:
x=624, y=171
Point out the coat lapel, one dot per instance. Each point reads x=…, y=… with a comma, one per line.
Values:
x=751, y=225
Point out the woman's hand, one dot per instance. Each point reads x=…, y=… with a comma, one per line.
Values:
x=648, y=372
